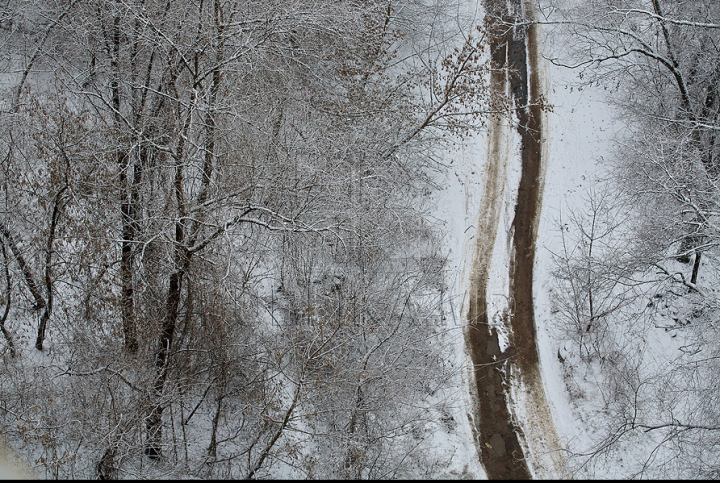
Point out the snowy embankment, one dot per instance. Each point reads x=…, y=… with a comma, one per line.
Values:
x=579, y=136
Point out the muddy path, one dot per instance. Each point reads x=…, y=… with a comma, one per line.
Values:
x=501, y=441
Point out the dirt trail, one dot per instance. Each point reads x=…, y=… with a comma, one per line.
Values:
x=501, y=441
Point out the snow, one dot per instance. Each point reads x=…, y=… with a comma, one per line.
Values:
x=580, y=129
x=498, y=286
x=578, y=136
x=579, y=133
x=456, y=209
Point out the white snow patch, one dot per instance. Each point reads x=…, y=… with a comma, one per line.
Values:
x=456, y=207
x=580, y=130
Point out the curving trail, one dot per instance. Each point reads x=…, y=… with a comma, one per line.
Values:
x=502, y=443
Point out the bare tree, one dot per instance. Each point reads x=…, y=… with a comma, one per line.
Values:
x=658, y=61
x=163, y=163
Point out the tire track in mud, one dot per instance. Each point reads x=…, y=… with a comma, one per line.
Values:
x=497, y=442
x=501, y=442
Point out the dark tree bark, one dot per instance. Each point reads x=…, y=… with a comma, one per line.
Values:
x=6, y=311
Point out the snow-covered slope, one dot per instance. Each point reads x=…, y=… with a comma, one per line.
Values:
x=580, y=129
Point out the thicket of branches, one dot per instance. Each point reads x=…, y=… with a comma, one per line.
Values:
x=215, y=255
x=637, y=282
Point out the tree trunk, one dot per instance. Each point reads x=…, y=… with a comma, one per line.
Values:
x=696, y=267
x=153, y=421
x=6, y=312
x=42, y=327
x=106, y=468
x=212, y=448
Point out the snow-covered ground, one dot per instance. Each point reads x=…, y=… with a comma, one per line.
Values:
x=457, y=207
x=579, y=133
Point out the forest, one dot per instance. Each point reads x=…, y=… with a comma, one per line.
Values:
x=214, y=242
x=221, y=256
